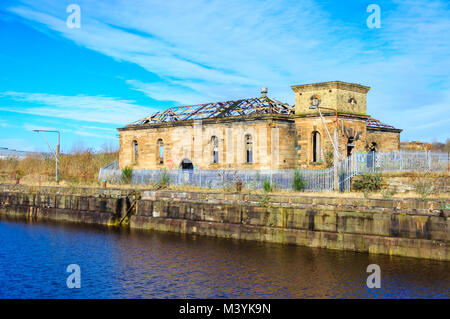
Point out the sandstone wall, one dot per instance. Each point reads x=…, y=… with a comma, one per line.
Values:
x=335, y=95
x=273, y=145
x=305, y=127
x=385, y=141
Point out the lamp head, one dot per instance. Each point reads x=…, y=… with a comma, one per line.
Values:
x=315, y=101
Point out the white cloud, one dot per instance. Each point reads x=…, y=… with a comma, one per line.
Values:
x=218, y=50
x=98, y=109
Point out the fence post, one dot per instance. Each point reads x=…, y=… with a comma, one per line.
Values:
x=429, y=160
x=401, y=160
x=373, y=162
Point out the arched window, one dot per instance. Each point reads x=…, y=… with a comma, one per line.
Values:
x=248, y=148
x=135, y=152
x=316, y=147
x=215, y=149
x=160, y=151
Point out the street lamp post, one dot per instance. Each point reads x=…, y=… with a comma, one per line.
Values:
x=337, y=155
x=56, y=154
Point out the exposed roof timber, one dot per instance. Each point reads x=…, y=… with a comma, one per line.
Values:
x=261, y=105
x=243, y=107
x=371, y=122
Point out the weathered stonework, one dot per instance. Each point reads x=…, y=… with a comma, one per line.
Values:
x=334, y=95
x=384, y=139
x=410, y=228
x=273, y=139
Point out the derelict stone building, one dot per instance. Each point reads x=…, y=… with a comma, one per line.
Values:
x=258, y=133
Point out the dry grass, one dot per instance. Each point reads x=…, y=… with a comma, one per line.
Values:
x=77, y=167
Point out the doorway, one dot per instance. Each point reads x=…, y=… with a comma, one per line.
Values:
x=186, y=164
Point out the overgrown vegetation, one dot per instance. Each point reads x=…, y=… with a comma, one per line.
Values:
x=80, y=165
x=267, y=185
x=423, y=185
x=368, y=183
x=231, y=181
x=163, y=180
x=298, y=183
x=127, y=175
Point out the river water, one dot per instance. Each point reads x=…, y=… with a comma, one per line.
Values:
x=132, y=264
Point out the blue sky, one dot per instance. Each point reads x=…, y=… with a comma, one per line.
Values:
x=132, y=58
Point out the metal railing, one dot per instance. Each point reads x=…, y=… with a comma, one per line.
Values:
x=314, y=179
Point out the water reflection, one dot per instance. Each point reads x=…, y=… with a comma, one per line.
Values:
x=136, y=264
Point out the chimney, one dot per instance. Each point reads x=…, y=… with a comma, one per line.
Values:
x=264, y=92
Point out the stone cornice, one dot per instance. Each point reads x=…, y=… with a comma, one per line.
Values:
x=331, y=85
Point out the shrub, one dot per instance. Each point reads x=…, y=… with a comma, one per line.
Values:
x=423, y=185
x=127, y=174
x=298, y=184
x=267, y=185
x=164, y=179
x=368, y=183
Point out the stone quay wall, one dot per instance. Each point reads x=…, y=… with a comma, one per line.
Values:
x=408, y=227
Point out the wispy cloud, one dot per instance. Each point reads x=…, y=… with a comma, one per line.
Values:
x=206, y=50
x=99, y=109
x=3, y=123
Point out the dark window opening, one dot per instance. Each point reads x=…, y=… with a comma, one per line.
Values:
x=135, y=152
x=160, y=151
x=248, y=148
x=215, y=149
x=350, y=145
x=316, y=146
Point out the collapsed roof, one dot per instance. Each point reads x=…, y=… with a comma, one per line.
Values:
x=244, y=107
x=371, y=122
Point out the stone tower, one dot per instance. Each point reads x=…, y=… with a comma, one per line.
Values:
x=340, y=96
x=343, y=106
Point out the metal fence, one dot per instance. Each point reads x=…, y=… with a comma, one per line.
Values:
x=396, y=161
x=315, y=179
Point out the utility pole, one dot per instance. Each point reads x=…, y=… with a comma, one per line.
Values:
x=56, y=154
